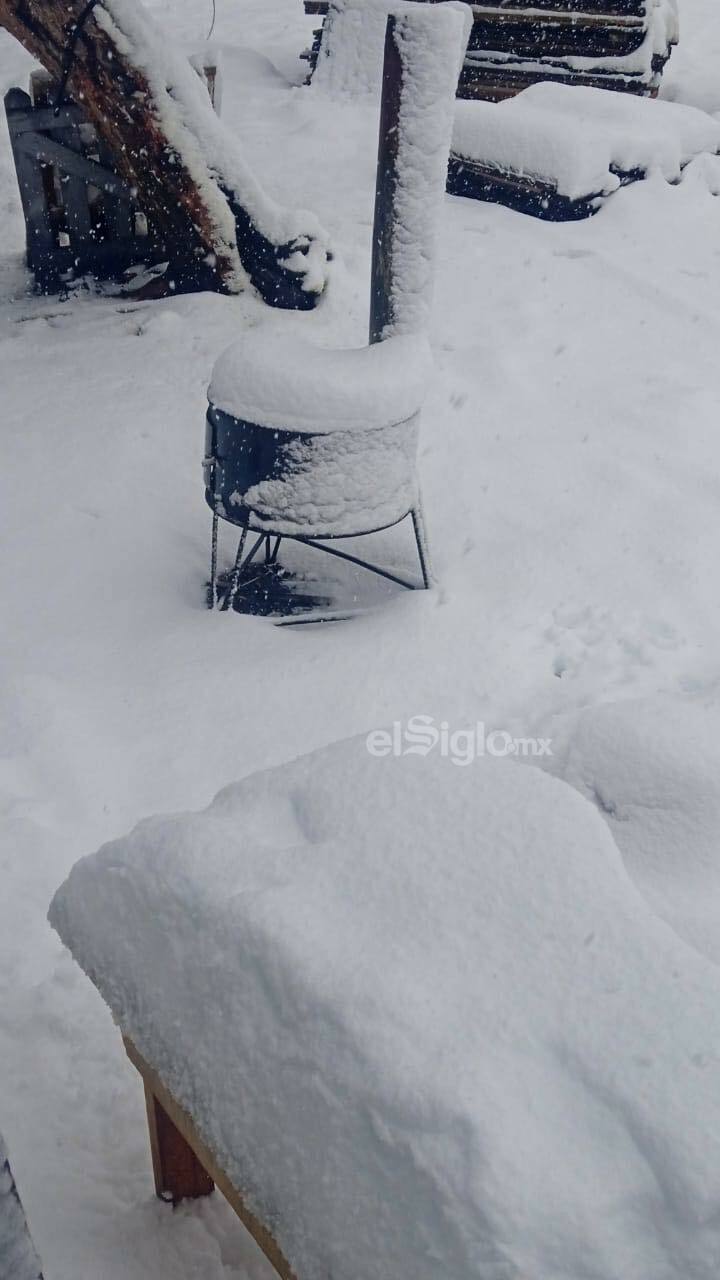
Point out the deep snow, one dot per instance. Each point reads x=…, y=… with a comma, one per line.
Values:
x=569, y=462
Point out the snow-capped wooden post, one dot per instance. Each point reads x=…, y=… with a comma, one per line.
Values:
x=154, y=117
x=422, y=55
x=381, y=275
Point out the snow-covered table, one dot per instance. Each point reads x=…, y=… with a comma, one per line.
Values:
x=420, y=1017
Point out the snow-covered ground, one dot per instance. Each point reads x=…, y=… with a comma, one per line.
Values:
x=571, y=472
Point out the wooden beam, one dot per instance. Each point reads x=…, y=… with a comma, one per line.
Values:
x=178, y=1173
x=163, y=1110
x=72, y=162
x=630, y=11
x=381, y=273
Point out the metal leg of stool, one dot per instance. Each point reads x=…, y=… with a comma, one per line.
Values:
x=276, y=548
x=422, y=544
x=212, y=588
x=229, y=600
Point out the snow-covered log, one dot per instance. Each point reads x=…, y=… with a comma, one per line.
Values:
x=153, y=113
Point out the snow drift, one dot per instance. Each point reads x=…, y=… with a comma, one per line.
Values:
x=423, y=1017
x=652, y=767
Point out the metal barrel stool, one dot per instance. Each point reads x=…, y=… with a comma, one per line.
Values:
x=309, y=443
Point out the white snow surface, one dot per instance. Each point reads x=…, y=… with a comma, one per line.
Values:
x=652, y=767
x=422, y=1017
x=569, y=458
x=432, y=43
x=578, y=138
x=18, y=1260
x=340, y=483
x=283, y=381
x=351, y=53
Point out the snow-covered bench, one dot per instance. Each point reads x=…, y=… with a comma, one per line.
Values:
x=422, y=1022
x=557, y=151
x=614, y=44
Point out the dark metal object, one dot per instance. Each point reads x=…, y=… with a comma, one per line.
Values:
x=236, y=581
x=239, y=455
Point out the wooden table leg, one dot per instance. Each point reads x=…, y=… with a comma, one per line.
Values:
x=184, y=1166
x=179, y=1174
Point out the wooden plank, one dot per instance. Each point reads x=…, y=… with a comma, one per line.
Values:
x=37, y=119
x=185, y=1126
x=40, y=237
x=74, y=189
x=42, y=148
x=538, y=40
x=177, y=1171
x=569, y=9
x=528, y=195
x=381, y=275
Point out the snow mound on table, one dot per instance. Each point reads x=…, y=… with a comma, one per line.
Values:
x=577, y=139
x=653, y=770
x=423, y=1018
x=283, y=382
x=18, y=1260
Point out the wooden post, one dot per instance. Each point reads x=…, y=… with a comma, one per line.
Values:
x=178, y=1173
x=40, y=236
x=381, y=278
